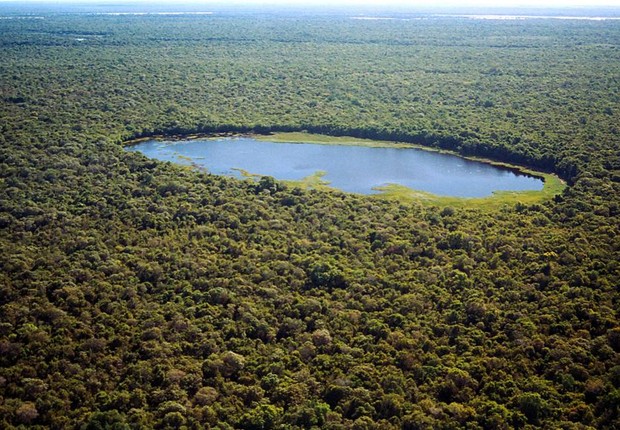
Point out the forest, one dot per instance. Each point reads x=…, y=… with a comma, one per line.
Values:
x=139, y=294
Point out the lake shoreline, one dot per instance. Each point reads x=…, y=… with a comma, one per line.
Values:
x=324, y=139
x=551, y=184
x=319, y=139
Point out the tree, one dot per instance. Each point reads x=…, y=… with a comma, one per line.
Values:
x=262, y=417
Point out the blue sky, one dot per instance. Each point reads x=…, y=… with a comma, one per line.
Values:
x=404, y=3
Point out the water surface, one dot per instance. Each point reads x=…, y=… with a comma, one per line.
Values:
x=356, y=169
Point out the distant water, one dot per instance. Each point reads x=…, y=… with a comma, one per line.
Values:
x=356, y=169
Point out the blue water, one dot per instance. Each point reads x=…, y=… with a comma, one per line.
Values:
x=356, y=169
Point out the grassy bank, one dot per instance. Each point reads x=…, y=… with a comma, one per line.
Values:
x=552, y=184
x=321, y=139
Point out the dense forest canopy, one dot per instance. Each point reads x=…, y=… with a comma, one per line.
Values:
x=140, y=294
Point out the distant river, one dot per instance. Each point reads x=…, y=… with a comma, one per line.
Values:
x=355, y=169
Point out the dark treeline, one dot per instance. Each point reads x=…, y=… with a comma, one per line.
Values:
x=545, y=162
x=140, y=294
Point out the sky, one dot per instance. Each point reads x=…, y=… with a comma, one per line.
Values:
x=402, y=3
x=466, y=3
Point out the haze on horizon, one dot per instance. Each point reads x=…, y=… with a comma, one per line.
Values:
x=372, y=3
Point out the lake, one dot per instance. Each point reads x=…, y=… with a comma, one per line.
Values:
x=356, y=169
